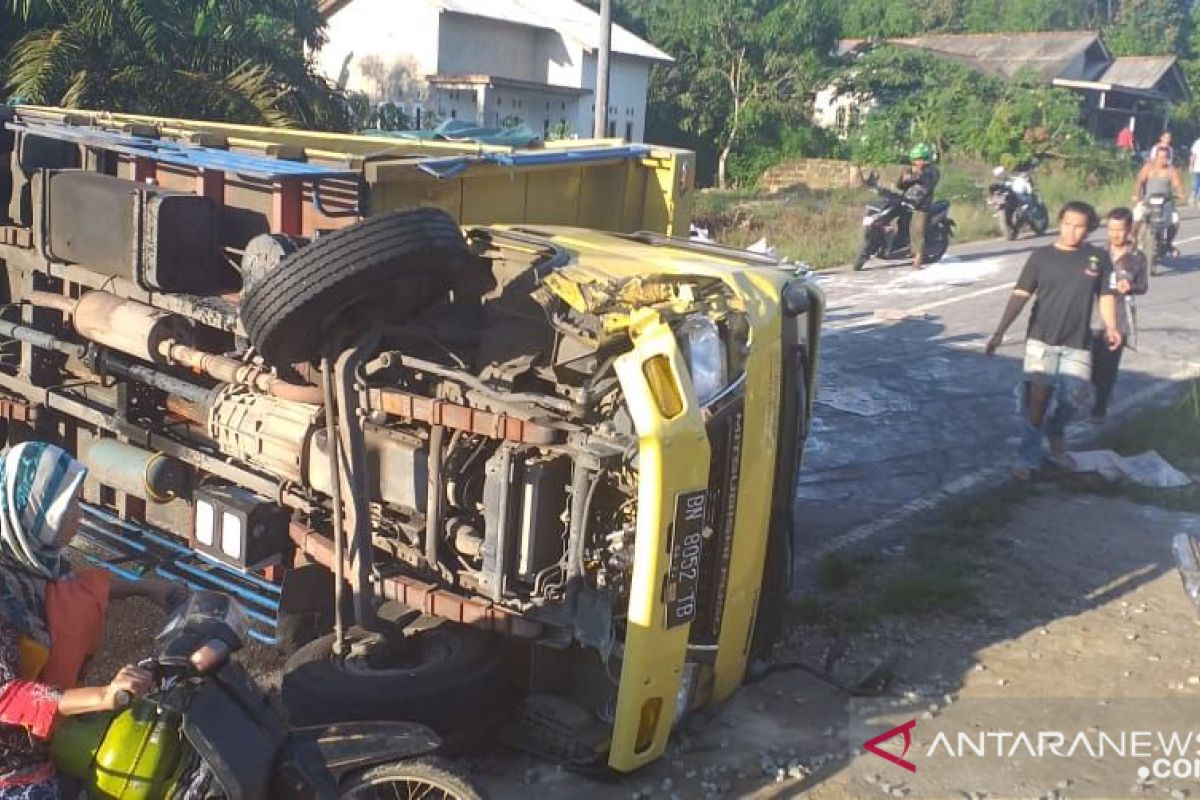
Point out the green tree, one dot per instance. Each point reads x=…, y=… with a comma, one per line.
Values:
x=926, y=98
x=876, y=19
x=1150, y=28
x=236, y=60
x=737, y=64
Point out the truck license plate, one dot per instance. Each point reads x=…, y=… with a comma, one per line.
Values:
x=687, y=542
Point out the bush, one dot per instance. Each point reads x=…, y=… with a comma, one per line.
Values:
x=775, y=141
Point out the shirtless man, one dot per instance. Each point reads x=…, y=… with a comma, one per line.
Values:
x=1158, y=177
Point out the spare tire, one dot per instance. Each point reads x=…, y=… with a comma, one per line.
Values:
x=452, y=679
x=393, y=265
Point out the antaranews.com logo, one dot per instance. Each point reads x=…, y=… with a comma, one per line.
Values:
x=1102, y=748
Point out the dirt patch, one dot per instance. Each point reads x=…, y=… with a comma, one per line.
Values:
x=1074, y=596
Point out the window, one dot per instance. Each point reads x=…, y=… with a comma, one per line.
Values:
x=612, y=129
x=547, y=105
x=629, y=131
x=454, y=113
x=498, y=102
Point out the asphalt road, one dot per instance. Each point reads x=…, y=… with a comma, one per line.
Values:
x=909, y=408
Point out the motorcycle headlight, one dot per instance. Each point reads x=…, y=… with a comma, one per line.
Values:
x=704, y=352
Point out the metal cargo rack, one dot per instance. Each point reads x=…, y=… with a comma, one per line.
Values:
x=131, y=551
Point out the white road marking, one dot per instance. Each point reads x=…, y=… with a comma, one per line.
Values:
x=966, y=483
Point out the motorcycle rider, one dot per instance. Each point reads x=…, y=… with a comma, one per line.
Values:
x=917, y=182
x=1021, y=187
x=51, y=615
x=1158, y=177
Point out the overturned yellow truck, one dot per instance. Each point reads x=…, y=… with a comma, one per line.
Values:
x=475, y=434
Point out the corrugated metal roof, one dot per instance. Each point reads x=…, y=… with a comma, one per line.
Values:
x=1005, y=55
x=564, y=16
x=1138, y=72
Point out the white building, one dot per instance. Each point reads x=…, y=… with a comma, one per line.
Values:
x=491, y=62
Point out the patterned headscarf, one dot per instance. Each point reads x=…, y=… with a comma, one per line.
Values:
x=38, y=482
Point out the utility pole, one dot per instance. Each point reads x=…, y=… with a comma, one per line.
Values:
x=603, y=55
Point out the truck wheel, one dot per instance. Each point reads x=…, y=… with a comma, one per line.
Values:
x=391, y=266
x=416, y=777
x=451, y=678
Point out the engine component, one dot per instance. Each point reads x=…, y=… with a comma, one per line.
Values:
x=263, y=430
x=239, y=527
x=128, y=326
x=524, y=507
x=398, y=473
x=467, y=539
x=543, y=491
x=162, y=240
x=153, y=476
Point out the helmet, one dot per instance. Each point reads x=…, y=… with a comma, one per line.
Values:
x=920, y=152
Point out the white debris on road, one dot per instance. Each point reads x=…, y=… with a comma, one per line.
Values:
x=1145, y=469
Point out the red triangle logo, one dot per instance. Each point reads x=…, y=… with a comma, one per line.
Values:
x=872, y=745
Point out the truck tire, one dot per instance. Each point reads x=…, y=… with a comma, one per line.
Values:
x=394, y=266
x=453, y=679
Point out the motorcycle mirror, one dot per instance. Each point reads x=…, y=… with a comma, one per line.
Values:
x=872, y=179
x=209, y=656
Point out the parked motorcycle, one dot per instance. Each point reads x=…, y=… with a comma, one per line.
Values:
x=207, y=731
x=1157, y=224
x=885, y=228
x=1016, y=204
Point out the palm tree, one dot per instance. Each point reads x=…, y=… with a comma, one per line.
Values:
x=234, y=60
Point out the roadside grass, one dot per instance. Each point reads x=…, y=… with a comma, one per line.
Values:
x=939, y=571
x=823, y=228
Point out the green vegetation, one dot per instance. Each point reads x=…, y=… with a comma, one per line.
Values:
x=824, y=228
x=235, y=60
x=746, y=71
x=958, y=110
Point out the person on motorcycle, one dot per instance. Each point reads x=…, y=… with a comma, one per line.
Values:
x=51, y=616
x=917, y=182
x=1158, y=177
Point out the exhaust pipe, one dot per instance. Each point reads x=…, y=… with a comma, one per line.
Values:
x=161, y=337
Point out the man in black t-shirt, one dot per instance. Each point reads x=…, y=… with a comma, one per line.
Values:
x=1065, y=279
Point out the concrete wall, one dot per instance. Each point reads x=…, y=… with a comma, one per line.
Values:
x=814, y=173
x=471, y=46
x=628, y=83
x=381, y=49
x=560, y=61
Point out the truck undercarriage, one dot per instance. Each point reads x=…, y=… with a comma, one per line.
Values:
x=585, y=442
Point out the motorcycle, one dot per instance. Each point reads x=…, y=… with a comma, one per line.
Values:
x=207, y=731
x=885, y=228
x=1016, y=204
x=1159, y=214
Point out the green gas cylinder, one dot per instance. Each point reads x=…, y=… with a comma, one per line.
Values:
x=134, y=755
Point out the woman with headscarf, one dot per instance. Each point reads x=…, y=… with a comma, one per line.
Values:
x=51, y=617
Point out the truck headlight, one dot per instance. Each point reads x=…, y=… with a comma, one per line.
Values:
x=704, y=352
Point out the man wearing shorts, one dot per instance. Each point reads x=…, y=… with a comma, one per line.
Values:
x=1065, y=279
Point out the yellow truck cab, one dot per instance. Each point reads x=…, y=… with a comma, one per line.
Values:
x=476, y=436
